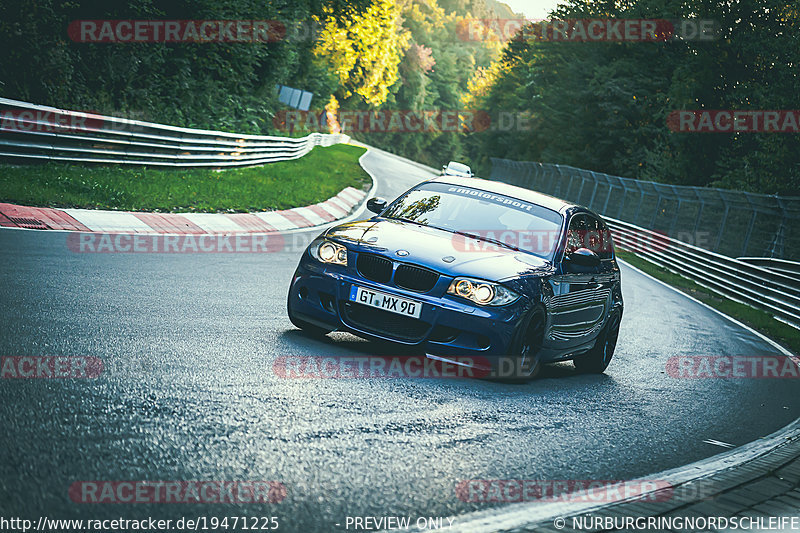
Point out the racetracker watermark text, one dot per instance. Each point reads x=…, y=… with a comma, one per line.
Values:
x=43, y=121
x=586, y=30
x=145, y=524
x=492, y=491
x=177, y=31
x=733, y=367
x=467, y=241
x=179, y=244
x=529, y=490
x=734, y=121
x=375, y=366
x=38, y=367
x=404, y=121
x=133, y=492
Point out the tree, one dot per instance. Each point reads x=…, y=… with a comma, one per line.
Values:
x=604, y=105
x=433, y=76
x=220, y=85
x=365, y=51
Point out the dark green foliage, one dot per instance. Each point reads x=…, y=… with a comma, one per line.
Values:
x=599, y=106
x=604, y=106
x=227, y=86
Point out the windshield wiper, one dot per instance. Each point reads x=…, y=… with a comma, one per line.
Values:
x=487, y=239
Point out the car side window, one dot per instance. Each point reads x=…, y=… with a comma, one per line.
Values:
x=597, y=237
x=586, y=231
x=575, y=233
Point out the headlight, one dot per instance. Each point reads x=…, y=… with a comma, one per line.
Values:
x=330, y=252
x=482, y=292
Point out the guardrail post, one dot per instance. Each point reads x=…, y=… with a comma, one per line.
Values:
x=776, y=250
x=624, y=197
x=655, y=211
x=675, y=217
x=749, y=226
x=558, y=183
x=594, y=191
x=580, y=189
x=722, y=223
x=528, y=172
x=641, y=201
x=699, y=213
x=551, y=187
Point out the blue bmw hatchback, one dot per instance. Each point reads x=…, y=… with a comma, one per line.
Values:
x=469, y=267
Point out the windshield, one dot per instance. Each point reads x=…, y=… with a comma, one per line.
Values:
x=489, y=217
x=458, y=167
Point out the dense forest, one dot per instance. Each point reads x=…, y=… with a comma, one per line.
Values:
x=604, y=106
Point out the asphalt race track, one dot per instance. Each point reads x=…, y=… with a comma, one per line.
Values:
x=188, y=393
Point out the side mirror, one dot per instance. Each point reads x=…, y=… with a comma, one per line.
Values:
x=583, y=257
x=377, y=204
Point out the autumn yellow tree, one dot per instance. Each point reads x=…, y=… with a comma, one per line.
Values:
x=364, y=51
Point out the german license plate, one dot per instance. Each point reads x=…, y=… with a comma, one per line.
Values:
x=387, y=302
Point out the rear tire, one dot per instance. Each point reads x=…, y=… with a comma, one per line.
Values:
x=596, y=360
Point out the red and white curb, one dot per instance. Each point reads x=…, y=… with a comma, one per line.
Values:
x=99, y=221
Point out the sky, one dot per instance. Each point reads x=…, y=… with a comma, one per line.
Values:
x=532, y=9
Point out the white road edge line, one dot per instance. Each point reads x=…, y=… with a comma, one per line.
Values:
x=719, y=443
x=758, y=334
x=518, y=515
x=513, y=517
x=359, y=212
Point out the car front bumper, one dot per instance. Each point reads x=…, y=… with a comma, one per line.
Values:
x=447, y=326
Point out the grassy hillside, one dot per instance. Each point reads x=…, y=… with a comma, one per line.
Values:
x=316, y=177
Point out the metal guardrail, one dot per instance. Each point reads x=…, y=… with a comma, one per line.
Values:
x=788, y=268
x=732, y=223
x=743, y=282
x=34, y=132
x=771, y=289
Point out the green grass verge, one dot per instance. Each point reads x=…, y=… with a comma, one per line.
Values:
x=757, y=319
x=317, y=176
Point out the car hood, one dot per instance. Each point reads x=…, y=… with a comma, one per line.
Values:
x=448, y=253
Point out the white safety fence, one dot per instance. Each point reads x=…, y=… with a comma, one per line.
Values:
x=757, y=286
x=31, y=132
x=765, y=283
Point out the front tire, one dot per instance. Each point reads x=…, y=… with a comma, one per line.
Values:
x=527, y=348
x=596, y=360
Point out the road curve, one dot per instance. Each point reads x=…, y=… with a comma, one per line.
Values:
x=188, y=393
